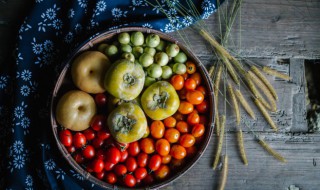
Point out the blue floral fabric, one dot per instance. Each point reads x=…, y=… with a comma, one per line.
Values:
x=52, y=30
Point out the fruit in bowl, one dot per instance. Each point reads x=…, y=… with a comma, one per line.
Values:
x=153, y=113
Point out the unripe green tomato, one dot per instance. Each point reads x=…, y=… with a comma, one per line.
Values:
x=180, y=57
x=161, y=46
x=179, y=68
x=166, y=72
x=137, y=38
x=102, y=47
x=111, y=50
x=154, y=71
x=146, y=59
x=150, y=50
x=128, y=56
x=149, y=81
x=172, y=50
x=137, y=51
x=124, y=38
x=126, y=48
x=161, y=58
x=152, y=40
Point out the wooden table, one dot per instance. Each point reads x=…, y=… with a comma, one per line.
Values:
x=278, y=33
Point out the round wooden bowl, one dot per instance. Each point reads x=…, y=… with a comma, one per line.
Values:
x=64, y=84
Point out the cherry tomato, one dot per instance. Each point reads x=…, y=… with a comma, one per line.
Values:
x=154, y=162
x=187, y=140
x=191, y=151
x=79, y=140
x=88, y=152
x=113, y=155
x=191, y=67
x=129, y=180
x=78, y=157
x=71, y=149
x=120, y=169
x=110, y=177
x=179, y=116
x=170, y=122
x=89, y=134
x=163, y=147
x=190, y=84
x=197, y=77
x=65, y=137
x=172, y=135
x=97, y=142
x=157, y=129
x=131, y=164
x=147, y=145
x=98, y=122
x=103, y=134
x=140, y=173
x=108, y=166
x=100, y=154
x=100, y=99
x=89, y=168
x=177, y=82
x=193, y=118
x=185, y=76
x=142, y=159
x=203, y=120
x=178, y=151
x=100, y=175
x=198, y=130
x=97, y=165
x=133, y=148
x=182, y=127
x=148, y=180
x=203, y=107
x=166, y=159
x=203, y=90
x=182, y=93
x=124, y=155
x=121, y=146
x=162, y=173
x=195, y=97
x=185, y=107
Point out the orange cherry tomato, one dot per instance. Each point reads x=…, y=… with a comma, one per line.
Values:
x=193, y=118
x=185, y=107
x=185, y=76
x=172, y=135
x=179, y=116
x=182, y=127
x=191, y=67
x=197, y=77
x=170, y=122
x=166, y=159
x=147, y=145
x=157, y=129
x=163, y=147
x=198, y=130
x=177, y=82
x=162, y=173
x=190, y=84
x=191, y=151
x=195, y=97
x=203, y=107
x=202, y=89
x=178, y=151
x=187, y=140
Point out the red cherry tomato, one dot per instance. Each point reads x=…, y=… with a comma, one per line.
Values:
x=134, y=148
x=78, y=157
x=100, y=153
x=148, y=180
x=110, y=177
x=142, y=159
x=124, y=155
x=97, y=165
x=89, y=134
x=100, y=175
x=140, y=173
x=190, y=84
x=131, y=164
x=88, y=152
x=154, y=162
x=97, y=142
x=100, y=99
x=121, y=146
x=147, y=145
x=177, y=82
x=79, y=140
x=113, y=155
x=203, y=107
x=129, y=180
x=120, y=169
x=103, y=134
x=65, y=137
x=108, y=166
x=98, y=122
x=71, y=149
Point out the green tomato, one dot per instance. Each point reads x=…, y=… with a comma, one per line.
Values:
x=150, y=50
x=128, y=56
x=180, y=57
x=154, y=71
x=146, y=59
x=166, y=72
x=124, y=38
x=179, y=68
x=124, y=79
x=137, y=38
x=160, y=100
x=152, y=40
x=127, y=123
x=161, y=58
x=149, y=81
x=137, y=51
x=172, y=50
x=111, y=50
x=161, y=46
x=102, y=47
x=126, y=48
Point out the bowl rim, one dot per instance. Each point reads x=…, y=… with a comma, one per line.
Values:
x=90, y=43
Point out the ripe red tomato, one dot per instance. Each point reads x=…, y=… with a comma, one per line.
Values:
x=170, y=122
x=198, y=130
x=172, y=135
x=154, y=162
x=178, y=151
x=197, y=77
x=194, y=97
x=147, y=145
x=100, y=99
x=190, y=84
x=203, y=107
x=108, y=166
x=185, y=107
x=120, y=169
x=97, y=142
x=182, y=127
x=131, y=164
x=71, y=149
x=110, y=177
x=187, y=140
x=100, y=153
x=103, y=134
x=97, y=165
x=193, y=118
x=89, y=134
x=133, y=148
x=148, y=180
x=163, y=147
x=140, y=173
x=65, y=137
x=142, y=159
x=129, y=180
x=100, y=175
x=98, y=122
x=177, y=82
x=124, y=155
x=157, y=129
x=88, y=152
x=162, y=173
x=113, y=155
x=78, y=157
x=79, y=140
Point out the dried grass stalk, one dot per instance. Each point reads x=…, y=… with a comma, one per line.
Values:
x=245, y=104
x=216, y=86
x=275, y=73
x=211, y=72
x=230, y=69
x=265, y=114
x=234, y=102
x=241, y=147
x=224, y=173
x=271, y=151
x=220, y=141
